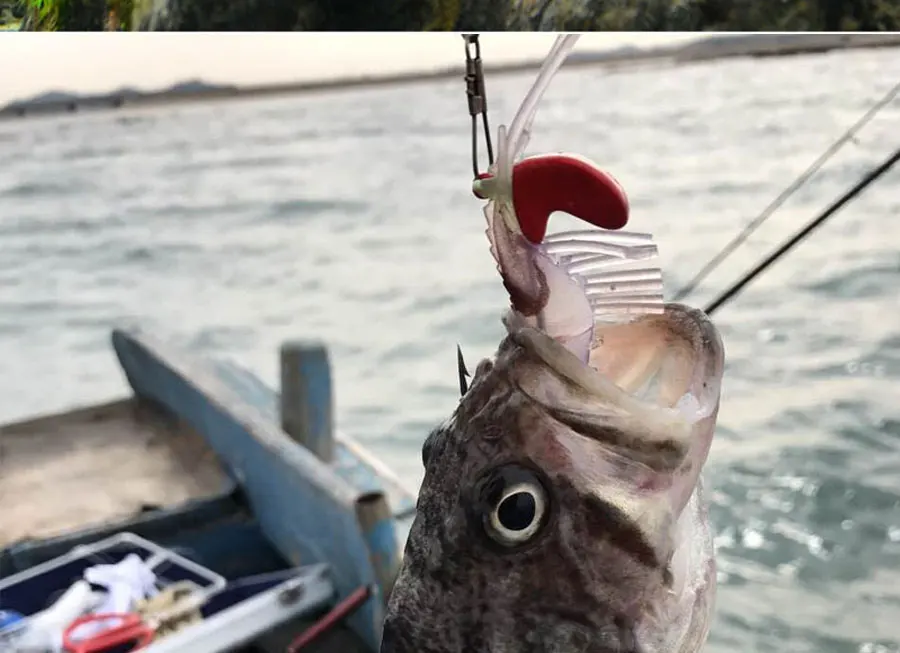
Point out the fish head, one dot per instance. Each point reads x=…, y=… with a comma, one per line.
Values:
x=561, y=507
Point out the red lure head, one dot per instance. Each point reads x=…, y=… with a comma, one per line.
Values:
x=563, y=182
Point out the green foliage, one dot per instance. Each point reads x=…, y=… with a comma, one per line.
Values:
x=445, y=15
x=305, y=15
x=731, y=15
x=124, y=13
x=365, y=15
x=79, y=15
x=679, y=15
x=482, y=15
x=45, y=14
x=470, y=15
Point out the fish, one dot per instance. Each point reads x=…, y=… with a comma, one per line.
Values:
x=562, y=508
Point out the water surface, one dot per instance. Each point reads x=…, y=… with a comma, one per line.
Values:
x=347, y=216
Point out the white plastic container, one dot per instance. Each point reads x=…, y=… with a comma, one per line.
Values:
x=43, y=631
x=39, y=628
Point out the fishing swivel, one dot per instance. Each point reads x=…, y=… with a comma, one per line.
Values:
x=477, y=98
x=539, y=185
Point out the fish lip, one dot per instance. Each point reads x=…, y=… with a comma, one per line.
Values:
x=690, y=323
x=702, y=332
x=709, y=349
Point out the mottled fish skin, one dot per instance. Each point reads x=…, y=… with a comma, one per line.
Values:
x=618, y=564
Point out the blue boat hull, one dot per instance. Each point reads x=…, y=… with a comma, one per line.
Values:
x=282, y=504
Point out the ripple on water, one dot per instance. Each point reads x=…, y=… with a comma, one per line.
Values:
x=862, y=282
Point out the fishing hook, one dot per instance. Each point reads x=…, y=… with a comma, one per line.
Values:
x=477, y=99
x=462, y=371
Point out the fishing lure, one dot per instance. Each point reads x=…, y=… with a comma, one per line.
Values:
x=563, y=282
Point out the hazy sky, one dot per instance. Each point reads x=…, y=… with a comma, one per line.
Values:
x=86, y=62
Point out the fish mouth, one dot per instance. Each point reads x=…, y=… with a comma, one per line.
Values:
x=669, y=363
x=649, y=392
x=674, y=360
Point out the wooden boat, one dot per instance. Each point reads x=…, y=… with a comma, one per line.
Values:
x=206, y=460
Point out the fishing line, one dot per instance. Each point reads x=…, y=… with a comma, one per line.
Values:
x=782, y=198
x=787, y=246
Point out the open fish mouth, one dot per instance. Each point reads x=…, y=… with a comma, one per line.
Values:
x=673, y=361
x=649, y=392
x=603, y=325
x=669, y=361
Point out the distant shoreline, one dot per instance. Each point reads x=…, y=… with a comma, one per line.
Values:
x=711, y=48
x=113, y=101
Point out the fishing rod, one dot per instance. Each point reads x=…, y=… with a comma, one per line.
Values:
x=767, y=212
x=792, y=242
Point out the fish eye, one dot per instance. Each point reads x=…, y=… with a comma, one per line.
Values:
x=516, y=507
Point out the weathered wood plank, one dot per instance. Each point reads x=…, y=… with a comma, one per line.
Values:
x=87, y=467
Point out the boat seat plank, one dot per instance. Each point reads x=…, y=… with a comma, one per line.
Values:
x=87, y=467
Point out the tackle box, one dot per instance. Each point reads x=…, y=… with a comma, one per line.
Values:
x=234, y=613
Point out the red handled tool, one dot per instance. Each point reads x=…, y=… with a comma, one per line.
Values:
x=129, y=629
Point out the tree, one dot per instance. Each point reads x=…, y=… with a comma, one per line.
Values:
x=78, y=15
x=472, y=15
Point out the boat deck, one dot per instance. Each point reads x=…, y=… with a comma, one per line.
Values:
x=105, y=463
